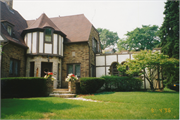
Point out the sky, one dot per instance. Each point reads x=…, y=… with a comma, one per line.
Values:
x=118, y=16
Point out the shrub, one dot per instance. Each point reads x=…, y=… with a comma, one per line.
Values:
x=122, y=83
x=90, y=84
x=16, y=87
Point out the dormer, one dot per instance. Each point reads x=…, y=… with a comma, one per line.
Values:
x=43, y=37
x=8, y=26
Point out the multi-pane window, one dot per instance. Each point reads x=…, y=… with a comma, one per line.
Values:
x=9, y=30
x=14, y=68
x=75, y=69
x=94, y=45
x=48, y=33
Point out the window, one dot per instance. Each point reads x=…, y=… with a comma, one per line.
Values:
x=14, y=68
x=48, y=32
x=9, y=30
x=75, y=69
x=94, y=45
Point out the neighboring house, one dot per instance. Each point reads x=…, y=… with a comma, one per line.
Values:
x=108, y=51
x=61, y=45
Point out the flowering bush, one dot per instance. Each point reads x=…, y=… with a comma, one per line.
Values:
x=71, y=77
x=49, y=75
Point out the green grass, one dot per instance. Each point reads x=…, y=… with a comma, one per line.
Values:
x=114, y=105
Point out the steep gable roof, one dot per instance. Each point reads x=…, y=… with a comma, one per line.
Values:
x=76, y=27
x=14, y=18
x=41, y=22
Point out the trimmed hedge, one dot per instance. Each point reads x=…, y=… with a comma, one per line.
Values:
x=19, y=87
x=90, y=84
x=118, y=83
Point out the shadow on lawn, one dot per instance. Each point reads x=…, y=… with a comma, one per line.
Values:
x=19, y=106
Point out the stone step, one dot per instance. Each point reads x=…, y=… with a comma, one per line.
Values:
x=63, y=95
x=64, y=89
x=61, y=92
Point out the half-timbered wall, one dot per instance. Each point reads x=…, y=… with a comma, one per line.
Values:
x=37, y=45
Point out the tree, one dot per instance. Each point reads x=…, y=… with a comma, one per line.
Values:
x=140, y=38
x=169, y=31
x=107, y=38
x=147, y=64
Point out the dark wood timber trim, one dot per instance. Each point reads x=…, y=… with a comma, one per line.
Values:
x=31, y=41
x=105, y=65
x=57, y=44
x=37, y=50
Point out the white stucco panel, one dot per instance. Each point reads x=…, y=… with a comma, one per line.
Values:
x=1, y=38
x=48, y=48
x=122, y=58
x=62, y=46
x=100, y=71
x=34, y=42
x=110, y=59
x=41, y=42
x=29, y=42
x=100, y=60
x=132, y=56
x=55, y=44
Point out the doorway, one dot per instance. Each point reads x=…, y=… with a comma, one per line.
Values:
x=45, y=67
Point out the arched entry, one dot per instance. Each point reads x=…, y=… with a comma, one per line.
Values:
x=113, y=69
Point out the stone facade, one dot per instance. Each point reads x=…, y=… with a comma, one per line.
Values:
x=81, y=53
x=75, y=53
x=37, y=67
x=12, y=51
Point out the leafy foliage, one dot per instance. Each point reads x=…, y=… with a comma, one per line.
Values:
x=122, y=83
x=147, y=63
x=107, y=38
x=169, y=31
x=90, y=84
x=140, y=38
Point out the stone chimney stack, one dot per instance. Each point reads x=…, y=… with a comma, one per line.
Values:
x=9, y=3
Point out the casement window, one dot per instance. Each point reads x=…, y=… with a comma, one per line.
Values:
x=9, y=30
x=94, y=45
x=14, y=68
x=48, y=35
x=75, y=69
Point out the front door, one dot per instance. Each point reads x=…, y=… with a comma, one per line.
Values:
x=45, y=67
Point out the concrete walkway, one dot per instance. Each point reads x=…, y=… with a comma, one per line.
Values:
x=83, y=99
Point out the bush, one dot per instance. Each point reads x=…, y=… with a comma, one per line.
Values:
x=122, y=83
x=17, y=87
x=90, y=84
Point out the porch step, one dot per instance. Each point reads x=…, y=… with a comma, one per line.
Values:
x=60, y=89
x=63, y=93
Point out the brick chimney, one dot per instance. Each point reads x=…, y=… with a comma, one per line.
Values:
x=9, y=3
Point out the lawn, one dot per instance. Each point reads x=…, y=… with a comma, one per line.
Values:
x=113, y=105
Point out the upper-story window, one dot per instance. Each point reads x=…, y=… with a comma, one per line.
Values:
x=94, y=45
x=9, y=30
x=48, y=35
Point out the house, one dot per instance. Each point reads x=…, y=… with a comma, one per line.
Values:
x=61, y=45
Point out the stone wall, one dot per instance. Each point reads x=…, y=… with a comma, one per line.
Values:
x=94, y=33
x=12, y=51
x=37, y=67
x=75, y=53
